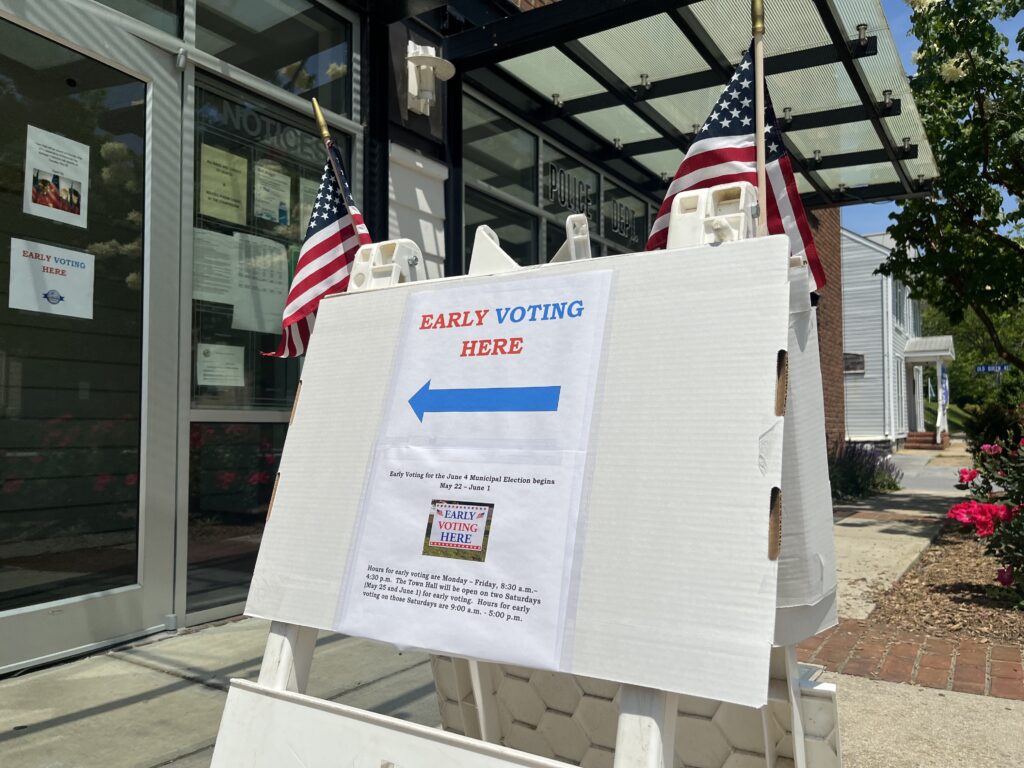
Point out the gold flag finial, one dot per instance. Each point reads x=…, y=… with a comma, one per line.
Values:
x=757, y=17
x=325, y=133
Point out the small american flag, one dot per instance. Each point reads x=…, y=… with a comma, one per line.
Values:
x=335, y=232
x=723, y=151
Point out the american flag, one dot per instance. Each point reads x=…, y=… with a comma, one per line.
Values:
x=334, y=234
x=723, y=152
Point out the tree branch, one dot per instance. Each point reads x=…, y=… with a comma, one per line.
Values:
x=993, y=334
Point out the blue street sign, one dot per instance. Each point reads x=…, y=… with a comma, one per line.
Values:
x=484, y=400
x=997, y=368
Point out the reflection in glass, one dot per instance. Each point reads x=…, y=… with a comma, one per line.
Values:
x=498, y=153
x=517, y=231
x=293, y=44
x=70, y=386
x=257, y=176
x=232, y=468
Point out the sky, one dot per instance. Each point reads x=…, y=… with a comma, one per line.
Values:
x=874, y=217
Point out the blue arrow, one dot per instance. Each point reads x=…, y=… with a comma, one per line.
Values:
x=484, y=400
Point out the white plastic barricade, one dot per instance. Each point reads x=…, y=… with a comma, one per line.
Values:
x=574, y=469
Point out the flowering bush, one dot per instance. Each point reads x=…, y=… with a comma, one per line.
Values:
x=856, y=471
x=996, y=485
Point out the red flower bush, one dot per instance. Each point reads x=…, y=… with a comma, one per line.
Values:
x=996, y=485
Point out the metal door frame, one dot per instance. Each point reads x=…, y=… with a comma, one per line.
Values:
x=53, y=630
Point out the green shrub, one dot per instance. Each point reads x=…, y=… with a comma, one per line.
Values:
x=991, y=423
x=856, y=471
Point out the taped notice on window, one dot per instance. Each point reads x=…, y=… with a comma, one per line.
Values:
x=467, y=529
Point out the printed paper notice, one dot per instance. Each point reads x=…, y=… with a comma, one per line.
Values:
x=308, y=190
x=214, y=266
x=272, y=193
x=56, y=178
x=220, y=365
x=262, y=287
x=56, y=281
x=223, y=177
x=467, y=530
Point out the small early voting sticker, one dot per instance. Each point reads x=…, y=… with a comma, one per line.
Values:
x=458, y=529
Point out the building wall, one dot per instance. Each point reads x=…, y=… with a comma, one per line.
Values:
x=830, y=322
x=865, y=307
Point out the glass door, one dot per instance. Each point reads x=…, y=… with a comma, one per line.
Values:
x=89, y=171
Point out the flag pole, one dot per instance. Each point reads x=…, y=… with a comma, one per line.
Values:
x=757, y=27
x=325, y=135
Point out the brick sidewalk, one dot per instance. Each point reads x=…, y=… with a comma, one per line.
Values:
x=882, y=653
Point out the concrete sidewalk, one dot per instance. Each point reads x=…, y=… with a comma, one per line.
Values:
x=158, y=702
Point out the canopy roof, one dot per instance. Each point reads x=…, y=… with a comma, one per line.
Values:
x=929, y=348
x=628, y=83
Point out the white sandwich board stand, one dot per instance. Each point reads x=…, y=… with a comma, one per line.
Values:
x=613, y=509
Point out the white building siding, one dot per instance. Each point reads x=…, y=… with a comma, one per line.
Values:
x=863, y=300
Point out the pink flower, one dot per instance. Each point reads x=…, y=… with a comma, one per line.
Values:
x=1001, y=513
x=982, y=516
x=1005, y=576
x=991, y=450
x=259, y=478
x=967, y=475
x=225, y=479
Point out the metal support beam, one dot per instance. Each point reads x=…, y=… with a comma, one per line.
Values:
x=701, y=41
x=829, y=18
x=454, y=196
x=872, y=193
x=696, y=81
x=377, y=144
x=546, y=26
x=626, y=95
x=865, y=157
x=801, y=165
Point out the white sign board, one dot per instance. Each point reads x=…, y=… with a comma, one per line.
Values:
x=670, y=585
x=468, y=525
x=56, y=281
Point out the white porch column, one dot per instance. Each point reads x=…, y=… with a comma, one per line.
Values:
x=940, y=410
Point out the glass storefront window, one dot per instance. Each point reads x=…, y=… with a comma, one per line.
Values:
x=293, y=44
x=516, y=230
x=624, y=218
x=72, y=210
x=568, y=186
x=165, y=15
x=256, y=180
x=232, y=468
x=498, y=153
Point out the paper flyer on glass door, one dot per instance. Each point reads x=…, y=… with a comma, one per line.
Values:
x=467, y=528
x=56, y=183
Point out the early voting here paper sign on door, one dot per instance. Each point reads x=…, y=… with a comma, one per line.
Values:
x=467, y=528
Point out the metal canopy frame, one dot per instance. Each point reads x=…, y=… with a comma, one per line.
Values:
x=477, y=38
